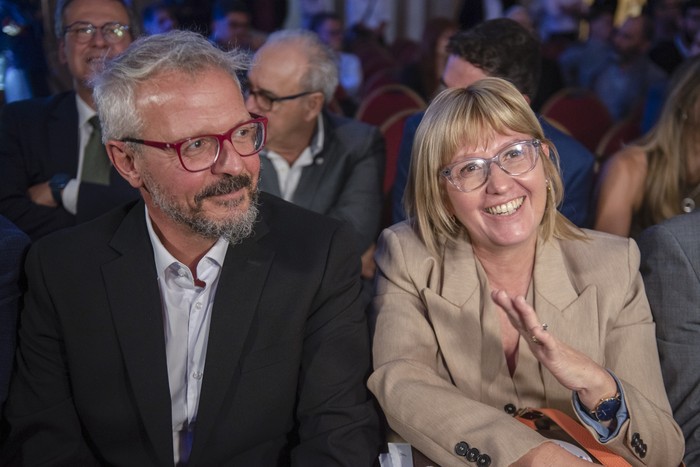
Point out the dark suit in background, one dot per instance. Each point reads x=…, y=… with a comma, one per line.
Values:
x=345, y=180
x=13, y=244
x=38, y=139
x=287, y=330
x=671, y=270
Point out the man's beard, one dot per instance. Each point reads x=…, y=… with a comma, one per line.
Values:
x=234, y=228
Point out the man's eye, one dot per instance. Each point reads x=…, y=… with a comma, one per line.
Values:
x=196, y=146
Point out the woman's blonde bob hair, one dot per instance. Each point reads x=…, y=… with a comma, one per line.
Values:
x=473, y=117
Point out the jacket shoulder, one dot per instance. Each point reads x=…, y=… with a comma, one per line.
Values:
x=600, y=257
x=284, y=216
x=39, y=105
x=86, y=237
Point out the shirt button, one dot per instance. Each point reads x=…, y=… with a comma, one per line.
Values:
x=197, y=375
x=181, y=272
x=198, y=305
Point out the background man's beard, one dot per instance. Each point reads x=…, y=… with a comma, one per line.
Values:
x=234, y=228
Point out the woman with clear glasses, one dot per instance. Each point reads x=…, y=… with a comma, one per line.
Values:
x=489, y=301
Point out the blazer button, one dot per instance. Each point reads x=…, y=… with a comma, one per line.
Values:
x=509, y=408
x=643, y=451
x=484, y=460
x=635, y=440
x=472, y=455
x=461, y=448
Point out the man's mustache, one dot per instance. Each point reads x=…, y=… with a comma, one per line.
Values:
x=228, y=184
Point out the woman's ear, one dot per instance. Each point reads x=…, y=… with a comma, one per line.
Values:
x=124, y=162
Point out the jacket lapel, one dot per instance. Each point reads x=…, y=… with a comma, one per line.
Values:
x=570, y=313
x=310, y=192
x=134, y=299
x=242, y=280
x=451, y=306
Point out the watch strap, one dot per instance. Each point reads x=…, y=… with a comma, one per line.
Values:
x=57, y=183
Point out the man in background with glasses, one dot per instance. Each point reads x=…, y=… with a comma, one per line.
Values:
x=53, y=171
x=323, y=162
x=208, y=324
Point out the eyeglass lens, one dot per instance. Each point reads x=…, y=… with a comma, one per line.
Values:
x=111, y=32
x=201, y=152
x=262, y=99
x=516, y=159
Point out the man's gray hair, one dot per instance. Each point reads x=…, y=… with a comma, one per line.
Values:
x=179, y=51
x=322, y=74
x=61, y=5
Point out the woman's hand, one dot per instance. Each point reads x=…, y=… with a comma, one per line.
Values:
x=571, y=368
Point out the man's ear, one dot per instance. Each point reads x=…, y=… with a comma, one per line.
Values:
x=124, y=162
x=62, y=58
x=314, y=105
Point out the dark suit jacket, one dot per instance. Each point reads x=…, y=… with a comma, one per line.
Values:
x=576, y=163
x=13, y=244
x=671, y=271
x=38, y=139
x=345, y=180
x=287, y=357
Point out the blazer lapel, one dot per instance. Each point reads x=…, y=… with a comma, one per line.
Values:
x=268, y=177
x=451, y=306
x=134, y=299
x=242, y=280
x=571, y=314
x=312, y=191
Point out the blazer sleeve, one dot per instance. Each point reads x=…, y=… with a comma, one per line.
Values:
x=21, y=168
x=673, y=288
x=13, y=245
x=338, y=424
x=412, y=384
x=360, y=200
x=650, y=436
x=402, y=165
x=44, y=426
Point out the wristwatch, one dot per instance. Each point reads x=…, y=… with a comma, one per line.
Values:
x=57, y=183
x=606, y=409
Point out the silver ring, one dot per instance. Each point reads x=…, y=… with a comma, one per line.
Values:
x=545, y=326
x=535, y=340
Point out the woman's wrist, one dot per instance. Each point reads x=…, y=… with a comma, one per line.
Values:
x=603, y=389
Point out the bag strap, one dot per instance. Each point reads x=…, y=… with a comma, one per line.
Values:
x=577, y=431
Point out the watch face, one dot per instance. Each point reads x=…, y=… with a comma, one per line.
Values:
x=607, y=409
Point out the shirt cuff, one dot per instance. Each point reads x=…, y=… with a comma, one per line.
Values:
x=70, y=196
x=604, y=434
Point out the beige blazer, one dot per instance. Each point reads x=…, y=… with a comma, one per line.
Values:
x=440, y=371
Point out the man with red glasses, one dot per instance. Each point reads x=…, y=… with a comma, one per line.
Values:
x=206, y=324
x=53, y=171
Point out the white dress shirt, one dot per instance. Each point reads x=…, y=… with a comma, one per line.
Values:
x=187, y=309
x=70, y=192
x=288, y=175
